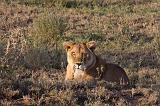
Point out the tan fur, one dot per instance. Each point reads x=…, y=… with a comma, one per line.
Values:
x=84, y=65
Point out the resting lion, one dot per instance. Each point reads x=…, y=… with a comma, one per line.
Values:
x=84, y=65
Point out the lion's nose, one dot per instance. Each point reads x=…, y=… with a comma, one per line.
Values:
x=79, y=65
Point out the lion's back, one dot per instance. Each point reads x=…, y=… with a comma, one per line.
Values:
x=114, y=73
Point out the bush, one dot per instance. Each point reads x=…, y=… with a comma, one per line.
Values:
x=46, y=37
x=47, y=30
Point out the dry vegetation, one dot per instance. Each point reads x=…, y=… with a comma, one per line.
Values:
x=32, y=61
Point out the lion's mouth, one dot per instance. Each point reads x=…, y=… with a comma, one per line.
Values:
x=79, y=71
x=79, y=67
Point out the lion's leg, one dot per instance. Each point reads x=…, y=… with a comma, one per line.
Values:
x=69, y=74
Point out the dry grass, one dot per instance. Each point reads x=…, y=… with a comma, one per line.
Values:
x=32, y=65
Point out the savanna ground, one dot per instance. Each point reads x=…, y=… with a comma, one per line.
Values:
x=32, y=60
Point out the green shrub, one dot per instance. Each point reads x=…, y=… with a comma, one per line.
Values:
x=47, y=30
x=46, y=37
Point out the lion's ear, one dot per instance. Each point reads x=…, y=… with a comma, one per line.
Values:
x=67, y=45
x=91, y=45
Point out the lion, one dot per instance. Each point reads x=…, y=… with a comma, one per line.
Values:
x=85, y=65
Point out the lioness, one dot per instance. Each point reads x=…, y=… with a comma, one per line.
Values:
x=84, y=65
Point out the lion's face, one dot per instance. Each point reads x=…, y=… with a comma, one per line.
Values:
x=80, y=55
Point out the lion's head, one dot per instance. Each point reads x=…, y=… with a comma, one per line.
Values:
x=80, y=56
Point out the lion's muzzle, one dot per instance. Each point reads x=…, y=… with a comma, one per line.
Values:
x=79, y=66
x=78, y=70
